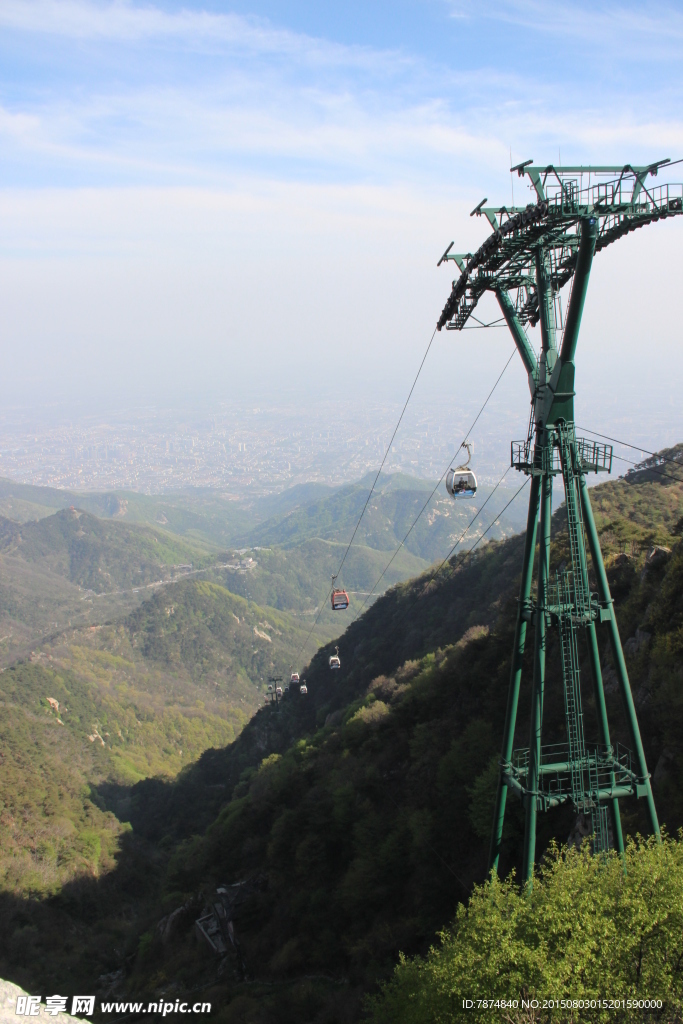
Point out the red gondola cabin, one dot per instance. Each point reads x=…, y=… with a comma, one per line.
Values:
x=340, y=600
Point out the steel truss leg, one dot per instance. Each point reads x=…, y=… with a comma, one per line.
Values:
x=617, y=652
x=539, y=680
x=603, y=725
x=594, y=659
x=523, y=615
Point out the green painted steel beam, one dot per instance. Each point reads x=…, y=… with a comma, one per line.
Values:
x=560, y=767
x=546, y=310
x=532, y=253
x=618, y=655
x=523, y=617
x=604, y=795
x=506, y=259
x=595, y=168
x=524, y=348
x=603, y=725
x=538, y=690
x=589, y=235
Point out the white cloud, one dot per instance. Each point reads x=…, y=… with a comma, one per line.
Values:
x=124, y=22
x=317, y=109
x=285, y=203
x=636, y=31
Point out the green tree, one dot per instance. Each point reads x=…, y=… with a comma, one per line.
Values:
x=590, y=929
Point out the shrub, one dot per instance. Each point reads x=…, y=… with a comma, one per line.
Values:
x=590, y=928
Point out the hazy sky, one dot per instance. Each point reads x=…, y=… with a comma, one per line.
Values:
x=201, y=200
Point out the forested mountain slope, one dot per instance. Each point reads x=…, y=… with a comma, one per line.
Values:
x=72, y=568
x=96, y=554
x=198, y=514
x=220, y=520
x=358, y=816
x=298, y=579
x=94, y=558
x=393, y=507
x=107, y=706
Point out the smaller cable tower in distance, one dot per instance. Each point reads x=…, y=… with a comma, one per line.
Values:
x=530, y=255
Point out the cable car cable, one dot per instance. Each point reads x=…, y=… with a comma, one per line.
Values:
x=367, y=502
x=462, y=535
x=480, y=539
x=473, y=424
x=517, y=492
x=655, y=455
x=438, y=483
x=504, y=509
x=398, y=424
x=649, y=469
x=422, y=592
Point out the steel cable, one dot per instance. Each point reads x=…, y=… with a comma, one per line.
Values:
x=654, y=455
x=438, y=484
x=374, y=484
x=417, y=594
x=650, y=469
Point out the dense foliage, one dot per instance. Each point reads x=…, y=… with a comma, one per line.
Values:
x=590, y=931
x=96, y=554
x=142, y=698
x=358, y=816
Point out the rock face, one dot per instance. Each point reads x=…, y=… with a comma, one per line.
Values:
x=581, y=830
x=655, y=557
x=635, y=643
x=9, y=994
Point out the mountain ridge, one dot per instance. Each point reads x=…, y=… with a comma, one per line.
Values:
x=358, y=817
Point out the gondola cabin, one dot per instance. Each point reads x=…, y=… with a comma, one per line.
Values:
x=461, y=483
x=334, y=660
x=340, y=600
x=294, y=679
x=303, y=689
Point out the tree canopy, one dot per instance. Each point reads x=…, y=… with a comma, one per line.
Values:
x=589, y=931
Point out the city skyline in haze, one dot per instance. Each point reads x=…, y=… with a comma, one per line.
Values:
x=204, y=203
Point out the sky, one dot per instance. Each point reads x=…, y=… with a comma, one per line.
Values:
x=208, y=201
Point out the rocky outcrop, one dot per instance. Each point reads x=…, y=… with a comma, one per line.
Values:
x=9, y=994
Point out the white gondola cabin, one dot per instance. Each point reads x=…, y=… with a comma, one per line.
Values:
x=334, y=660
x=461, y=481
x=303, y=689
x=294, y=679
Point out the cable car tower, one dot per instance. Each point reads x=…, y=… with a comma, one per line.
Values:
x=530, y=255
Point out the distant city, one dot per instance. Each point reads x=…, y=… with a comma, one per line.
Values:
x=247, y=450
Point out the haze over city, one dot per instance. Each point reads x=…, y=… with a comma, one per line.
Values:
x=210, y=207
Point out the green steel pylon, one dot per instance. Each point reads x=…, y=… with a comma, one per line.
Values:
x=531, y=254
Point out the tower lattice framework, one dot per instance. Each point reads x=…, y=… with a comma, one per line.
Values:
x=531, y=254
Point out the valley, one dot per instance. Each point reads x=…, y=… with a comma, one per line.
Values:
x=129, y=647
x=69, y=559
x=141, y=771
